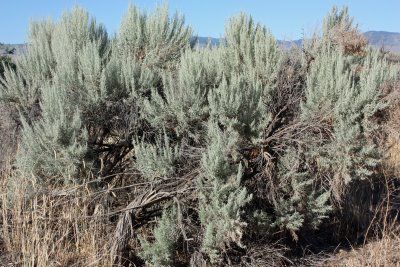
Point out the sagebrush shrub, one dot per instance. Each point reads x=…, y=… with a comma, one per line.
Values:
x=239, y=136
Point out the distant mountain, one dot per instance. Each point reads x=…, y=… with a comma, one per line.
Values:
x=388, y=40
x=203, y=41
x=289, y=44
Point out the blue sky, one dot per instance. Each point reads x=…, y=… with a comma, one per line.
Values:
x=286, y=19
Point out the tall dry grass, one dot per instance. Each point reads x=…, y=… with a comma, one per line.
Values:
x=66, y=227
x=384, y=251
x=392, y=129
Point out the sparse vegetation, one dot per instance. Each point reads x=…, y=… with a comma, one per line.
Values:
x=143, y=149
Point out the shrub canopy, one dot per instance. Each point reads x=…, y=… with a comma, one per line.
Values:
x=239, y=139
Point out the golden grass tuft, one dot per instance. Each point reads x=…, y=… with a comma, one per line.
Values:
x=384, y=251
x=52, y=229
x=391, y=147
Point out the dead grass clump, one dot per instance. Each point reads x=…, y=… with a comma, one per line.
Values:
x=381, y=252
x=49, y=229
x=8, y=135
x=352, y=42
x=391, y=145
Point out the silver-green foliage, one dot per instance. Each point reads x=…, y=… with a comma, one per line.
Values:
x=221, y=196
x=252, y=50
x=337, y=20
x=251, y=63
x=300, y=203
x=147, y=45
x=348, y=100
x=345, y=93
x=75, y=58
x=54, y=73
x=160, y=252
x=53, y=147
x=237, y=111
x=72, y=74
x=238, y=105
x=156, y=161
x=156, y=39
x=184, y=104
x=240, y=72
x=35, y=67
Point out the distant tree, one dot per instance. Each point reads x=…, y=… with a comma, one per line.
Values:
x=10, y=50
x=6, y=62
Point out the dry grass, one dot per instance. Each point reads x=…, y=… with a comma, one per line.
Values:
x=8, y=135
x=381, y=252
x=351, y=41
x=391, y=144
x=52, y=229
